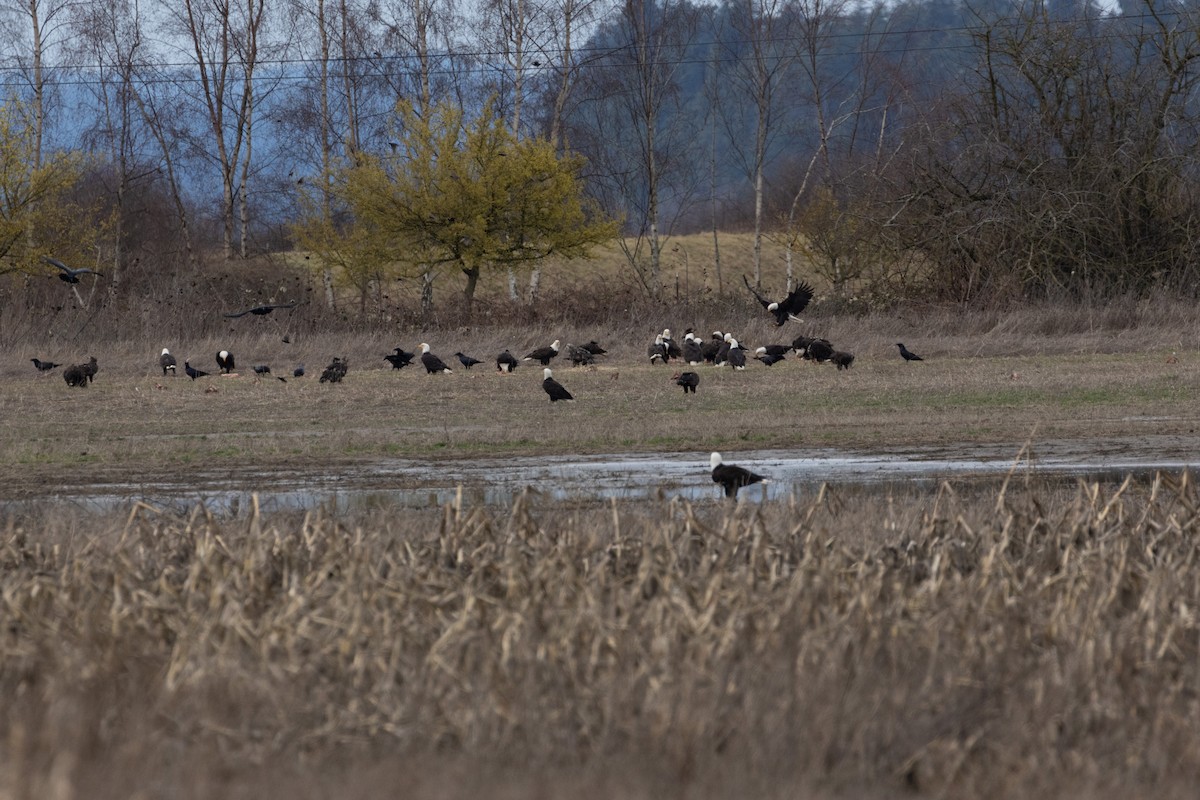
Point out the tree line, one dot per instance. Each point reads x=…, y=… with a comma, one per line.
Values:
x=979, y=152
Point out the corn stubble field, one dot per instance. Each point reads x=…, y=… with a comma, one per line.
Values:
x=1007, y=642
x=1003, y=639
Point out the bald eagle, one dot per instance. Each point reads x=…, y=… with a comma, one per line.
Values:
x=554, y=388
x=787, y=308
x=433, y=364
x=732, y=477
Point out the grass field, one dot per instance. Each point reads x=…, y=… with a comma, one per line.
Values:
x=1020, y=640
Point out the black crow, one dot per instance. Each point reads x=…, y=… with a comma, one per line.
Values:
x=70, y=275
x=907, y=354
x=263, y=309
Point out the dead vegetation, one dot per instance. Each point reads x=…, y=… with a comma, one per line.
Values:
x=1006, y=642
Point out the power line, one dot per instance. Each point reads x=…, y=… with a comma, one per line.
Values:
x=589, y=57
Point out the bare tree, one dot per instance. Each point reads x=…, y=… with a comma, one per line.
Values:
x=760, y=61
x=45, y=23
x=222, y=45
x=625, y=128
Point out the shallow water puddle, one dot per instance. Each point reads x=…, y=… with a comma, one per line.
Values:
x=413, y=483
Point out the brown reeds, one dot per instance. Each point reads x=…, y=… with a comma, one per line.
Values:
x=1007, y=642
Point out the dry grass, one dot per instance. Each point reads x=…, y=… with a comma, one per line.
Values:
x=1008, y=642
x=132, y=423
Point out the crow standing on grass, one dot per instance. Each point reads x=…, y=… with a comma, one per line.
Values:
x=192, y=372
x=907, y=354
x=400, y=358
x=466, y=360
x=44, y=366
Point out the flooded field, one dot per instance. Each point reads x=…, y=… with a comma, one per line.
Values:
x=418, y=483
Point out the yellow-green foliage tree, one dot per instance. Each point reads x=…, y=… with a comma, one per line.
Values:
x=472, y=195
x=355, y=253
x=37, y=217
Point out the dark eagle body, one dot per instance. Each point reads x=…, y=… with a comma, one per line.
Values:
x=580, y=355
x=692, y=352
x=506, y=362
x=90, y=369
x=167, y=361
x=433, y=364
x=44, y=366
x=263, y=309
x=76, y=375
x=226, y=362
x=709, y=349
x=298, y=372
x=767, y=358
x=819, y=350
x=673, y=349
x=688, y=380
x=594, y=348
x=543, y=355
x=658, y=350
x=69, y=275
x=336, y=370
x=732, y=477
x=554, y=388
x=783, y=310
x=737, y=355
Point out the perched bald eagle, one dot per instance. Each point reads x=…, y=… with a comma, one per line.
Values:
x=732, y=477
x=225, y=361
x=554, y=388
x=433, y=364
x=506, y=362
x=167, y=361
x=544, y=354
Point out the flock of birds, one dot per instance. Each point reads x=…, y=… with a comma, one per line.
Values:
x=720, y=349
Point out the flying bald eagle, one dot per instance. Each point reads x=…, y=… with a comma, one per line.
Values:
x=732, y=477
x=789, y=307
x=433, y=364
x=553, y=387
